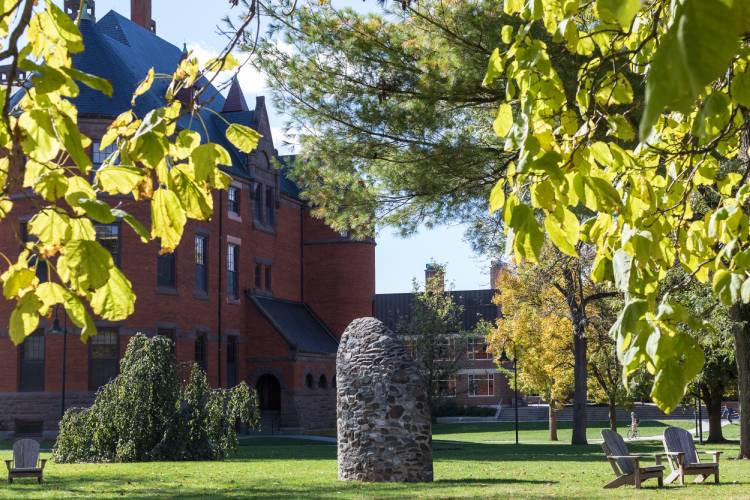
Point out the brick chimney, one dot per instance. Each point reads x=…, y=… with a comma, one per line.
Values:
x=140, y=14
x=496, y=268
x=434, y=276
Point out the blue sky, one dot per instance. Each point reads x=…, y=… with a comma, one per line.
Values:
x=398, y=260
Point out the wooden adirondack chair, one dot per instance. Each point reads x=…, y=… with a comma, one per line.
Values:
x=26, y=461
x=683, y=457
x=627, y=466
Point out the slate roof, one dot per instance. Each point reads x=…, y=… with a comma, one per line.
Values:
x=297, y=325
x=122, y=51
x=395, y=308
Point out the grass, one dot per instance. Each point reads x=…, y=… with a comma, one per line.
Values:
x=471, y=461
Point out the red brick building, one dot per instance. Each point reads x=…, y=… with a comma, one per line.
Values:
x=261, y=293
x=477, y=382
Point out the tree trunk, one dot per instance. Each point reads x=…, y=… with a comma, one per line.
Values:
x=552, y=422
x=741, y=314
x=712, y=398
x=613, y=414
x=580, y=381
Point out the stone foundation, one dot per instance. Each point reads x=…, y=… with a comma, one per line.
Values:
x=383, y=419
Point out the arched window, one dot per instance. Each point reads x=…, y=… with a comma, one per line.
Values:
x=323, y=382
x=309, y=381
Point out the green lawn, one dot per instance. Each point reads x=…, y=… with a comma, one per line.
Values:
x=471, y=460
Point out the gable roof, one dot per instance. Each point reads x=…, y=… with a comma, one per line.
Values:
x=121, y=51
x=297, y=325
x=395, y=308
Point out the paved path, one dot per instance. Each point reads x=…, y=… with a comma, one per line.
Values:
x=305, y=437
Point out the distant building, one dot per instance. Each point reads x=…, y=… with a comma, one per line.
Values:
x=260, y=293
x=477, y=382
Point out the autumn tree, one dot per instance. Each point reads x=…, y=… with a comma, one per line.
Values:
x=535, y=329
x=658, y=114
x=43, y=157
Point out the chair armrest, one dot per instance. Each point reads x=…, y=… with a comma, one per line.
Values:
x=43, y=463
x=674, y=453
x=659, y=454
x=716, y=454
x=626, y=457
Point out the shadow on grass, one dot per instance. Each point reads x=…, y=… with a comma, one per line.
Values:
x=119, y=486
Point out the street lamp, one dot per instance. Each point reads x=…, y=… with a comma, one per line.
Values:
x=504, y=359
x=56, y=330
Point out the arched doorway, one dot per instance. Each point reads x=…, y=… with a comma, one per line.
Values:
x=269, y=393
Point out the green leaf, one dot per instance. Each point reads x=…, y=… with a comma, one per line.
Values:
x=115, y=301
x=497, y=196
x=97, y=210
x=17, y=279
x=504, y=120
x=25, y=318
x=51, y=227
x=494, y=67
x=144, y=86
x=167, y=219
x=242, y=137
x=621, y=12
x=740, y=87
x=40, y=138
x=622, y=266
x=206, y=157
x=196, y=201
x=563, y=231
x=85, y=264
x=67, y=30
x=695, y=51
x=713, y=116
x=92, y=81
x=119, y=179
x=727, y=286
x=134, y=223
x=73, y=141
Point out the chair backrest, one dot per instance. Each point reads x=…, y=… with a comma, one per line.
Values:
x=676, y=439
x=25, y=453
x=615, y=445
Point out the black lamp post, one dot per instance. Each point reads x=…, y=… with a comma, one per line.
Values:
x=64, y=331
x=504, y=359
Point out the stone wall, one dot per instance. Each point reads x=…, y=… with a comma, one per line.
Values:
x=383, y=419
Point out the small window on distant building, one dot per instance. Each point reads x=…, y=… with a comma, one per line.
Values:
x=270, y=208
x=477, y=349
x=233, y=282
x=258, y=276
x=231, y=361
x=258, y=202
x=99, y=156
x=268, y=277
x=482, y=385
x=32, y=363
x=104, y=357
x=200, y=350
x=309, y=382
x=201, y=267
x=108, y=236
x=323, y=382
x=233, y=195
x=166, y=272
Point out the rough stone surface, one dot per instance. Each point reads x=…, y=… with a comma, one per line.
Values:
x=383, y=420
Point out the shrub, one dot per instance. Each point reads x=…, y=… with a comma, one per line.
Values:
x=144, y=415
x=449, y=408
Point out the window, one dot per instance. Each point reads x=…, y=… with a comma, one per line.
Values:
x=447, y=388
x=233, y=197
x=477, y=348
x=309, y=383
x=104, y=357
x=270, y=209
x=258, y=276
x=482, y=385
x=258, y=202
x=32, y=363
x=201, y=267
x=200, y=350
x=166, y=273
x=444, y=348
x=41, y=266
x=268, y=278
x=233, y=282
x=99, y=156
x=323, y=382
x=108, y=236
x=231, y=361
